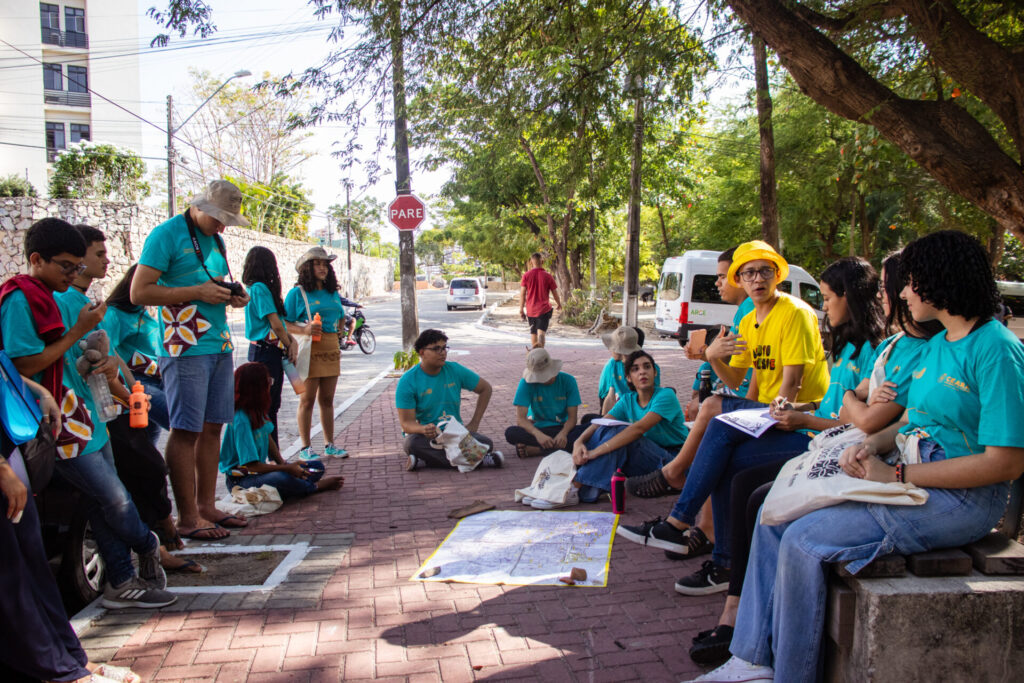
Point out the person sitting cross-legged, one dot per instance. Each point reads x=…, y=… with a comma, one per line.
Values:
x=546, y=402
x=431, y=392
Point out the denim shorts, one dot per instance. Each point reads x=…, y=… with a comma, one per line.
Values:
x=200, y=390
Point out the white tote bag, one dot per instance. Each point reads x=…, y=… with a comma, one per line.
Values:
x=815, y=480
x=305, y=344
x=461, y=449
x=553, y=479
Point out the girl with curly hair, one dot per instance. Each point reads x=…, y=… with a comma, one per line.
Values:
x=316, y=292
x=269, y=340
x=247, y=446
x=963, y=438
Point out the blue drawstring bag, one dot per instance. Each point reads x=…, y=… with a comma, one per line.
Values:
x=19, y=411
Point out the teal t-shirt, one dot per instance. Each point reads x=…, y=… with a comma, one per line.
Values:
x=19, y=339
x=969, y=394
x=670, y=431
x=261, y=304
x=852, y=366
x=242, y=444
x=135, y=337
x=434, y=397
x=548, y=403
x=196, y=327
x=746, y=306
x=903, y=360
x=327, y=304
x=70, y=303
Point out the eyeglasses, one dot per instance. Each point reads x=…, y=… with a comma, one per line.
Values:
x=68, y=268
x=437, y=349
x=751, y=274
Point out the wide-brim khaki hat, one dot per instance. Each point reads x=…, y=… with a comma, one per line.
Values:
x=624, y=340
x=540, y=367
x=223, y=201
x=756, y=251
x=315, y=254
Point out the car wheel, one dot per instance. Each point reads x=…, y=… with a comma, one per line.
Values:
x=82, y=570
x=450, y=307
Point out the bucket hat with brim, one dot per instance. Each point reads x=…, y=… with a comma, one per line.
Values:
x=623, y=340
x=223, y=201
x=756, y=251
x=540, y=367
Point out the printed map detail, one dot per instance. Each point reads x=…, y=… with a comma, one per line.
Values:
x=524, y=548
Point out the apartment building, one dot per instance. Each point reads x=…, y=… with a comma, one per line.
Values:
x=56, y=60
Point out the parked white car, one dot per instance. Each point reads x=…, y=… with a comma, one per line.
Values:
x=688, y=299
x=466, y=292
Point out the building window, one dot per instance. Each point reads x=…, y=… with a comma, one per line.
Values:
x=79, y=132
x=49, y=16
x=78, y=79
x=52, y=79
x=54, y=140
x=74, y=20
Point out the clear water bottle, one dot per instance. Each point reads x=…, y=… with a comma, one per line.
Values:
x=106, y=409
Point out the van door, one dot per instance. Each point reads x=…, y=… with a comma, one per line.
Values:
x=666, y=311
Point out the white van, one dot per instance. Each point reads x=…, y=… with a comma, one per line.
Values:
x=688, y=298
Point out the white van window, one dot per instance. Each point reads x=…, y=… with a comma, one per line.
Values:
x=811, y=295
x=705, y=291
x=669, y=287
x=785, y=286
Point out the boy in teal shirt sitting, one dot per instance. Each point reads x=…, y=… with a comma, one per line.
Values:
x=546, y=402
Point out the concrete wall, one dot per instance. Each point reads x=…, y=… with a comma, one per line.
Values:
x=127, y=225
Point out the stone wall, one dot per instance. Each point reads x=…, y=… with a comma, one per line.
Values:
x=127, y=225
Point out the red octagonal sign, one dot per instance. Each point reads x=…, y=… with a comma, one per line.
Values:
x=407, y=211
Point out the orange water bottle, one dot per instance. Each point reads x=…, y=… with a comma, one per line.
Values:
x=138, y=407
x=319, y=321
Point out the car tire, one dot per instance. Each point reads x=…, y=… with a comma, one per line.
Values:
x=450, y=307
x=82, y=571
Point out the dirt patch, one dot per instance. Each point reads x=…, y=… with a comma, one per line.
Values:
x=229, y=569
x=506, y=317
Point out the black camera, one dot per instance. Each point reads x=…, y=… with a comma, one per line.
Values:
x=235, y=288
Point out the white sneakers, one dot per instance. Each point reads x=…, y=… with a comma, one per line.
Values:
x=737, y=671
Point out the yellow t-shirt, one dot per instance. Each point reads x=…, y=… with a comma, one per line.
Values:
x=789, y=335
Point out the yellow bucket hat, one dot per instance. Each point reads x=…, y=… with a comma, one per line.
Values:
x=756, y=251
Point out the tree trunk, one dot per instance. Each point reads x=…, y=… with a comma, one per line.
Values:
x=403, y=183
x=593, y=254
x=574, y=268
x=631, y=271
x=941, y=136
x=664, y=230
x=852, y=251
x=865, y=227
x=769, y=203
x=996, y=244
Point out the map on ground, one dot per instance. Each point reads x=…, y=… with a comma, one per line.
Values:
x=524, y=549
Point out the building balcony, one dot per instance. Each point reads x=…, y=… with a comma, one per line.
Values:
x=52, y=36
x=67, y=99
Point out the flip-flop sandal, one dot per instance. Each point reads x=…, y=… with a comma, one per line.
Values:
x=117, y=673
x=521, y=451
x=651, y=485
x=189, y=567
x=203, y=534
x=239, y=524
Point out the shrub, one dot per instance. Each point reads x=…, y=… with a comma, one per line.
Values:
x=98, y=170
x=15, y=186
x=579, y=310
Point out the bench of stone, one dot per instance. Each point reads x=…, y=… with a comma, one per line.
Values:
x=947, y=615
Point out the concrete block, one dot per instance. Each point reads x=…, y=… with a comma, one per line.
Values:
x=948, y=562
x=997, y=554
x=887, y=566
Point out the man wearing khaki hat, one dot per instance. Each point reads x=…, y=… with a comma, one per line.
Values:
x=547, y=401
x=184, y=270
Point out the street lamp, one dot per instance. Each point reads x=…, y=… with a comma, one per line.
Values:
x=172, y=204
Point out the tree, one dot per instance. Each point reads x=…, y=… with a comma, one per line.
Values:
x=367, y=216
x=967, y=130
x=280, y=207
x=14, y=185
x=98, y=170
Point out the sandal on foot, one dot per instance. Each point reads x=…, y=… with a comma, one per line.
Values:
x=651, y=485
x=187, y=567
x=521, y=451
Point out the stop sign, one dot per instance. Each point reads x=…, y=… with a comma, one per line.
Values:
x=406, y=212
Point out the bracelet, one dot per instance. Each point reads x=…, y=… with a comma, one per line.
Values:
x=900, y=474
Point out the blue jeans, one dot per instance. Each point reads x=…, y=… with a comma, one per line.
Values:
x=724, y=451
x=781, y=617
x=115, y=521
x=286, y=485
x=271, y=357
x=200, y=390
x=634, y=459
x=158, y=415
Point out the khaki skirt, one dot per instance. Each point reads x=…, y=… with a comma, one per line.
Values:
x=325, y=356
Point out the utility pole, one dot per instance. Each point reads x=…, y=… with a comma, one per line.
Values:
x=172, y=205
x=348, y=235
x=631, y=274
x=403, y=184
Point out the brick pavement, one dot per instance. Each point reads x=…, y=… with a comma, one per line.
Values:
x=370, y=622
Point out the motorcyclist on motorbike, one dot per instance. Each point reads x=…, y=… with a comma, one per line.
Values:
x=350, y=322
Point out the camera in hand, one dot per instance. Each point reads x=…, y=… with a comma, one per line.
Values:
x=235, y=288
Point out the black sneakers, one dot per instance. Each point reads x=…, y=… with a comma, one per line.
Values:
x=711, y=648
x=710, y=578
x=658, y=533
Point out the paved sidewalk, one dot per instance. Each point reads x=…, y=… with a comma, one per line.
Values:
x=349, y=611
